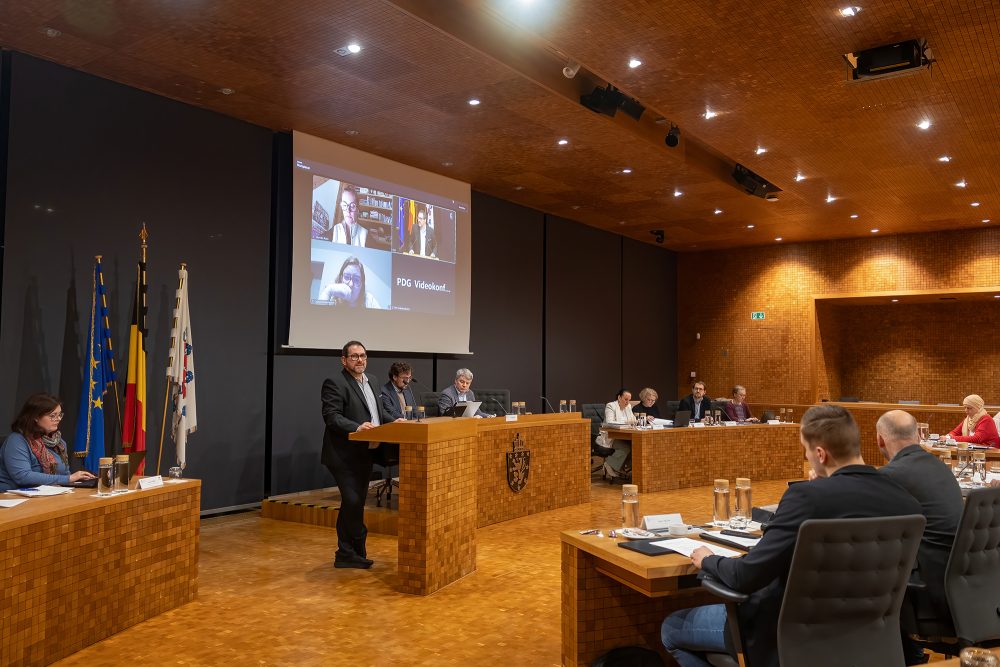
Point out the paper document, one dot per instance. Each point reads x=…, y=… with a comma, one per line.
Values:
x=42, y=490
x=12, y=503
x=742, y=541
x=663, y=422
x=686, y=546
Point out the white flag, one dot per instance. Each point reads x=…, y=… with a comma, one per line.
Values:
x=180, y=371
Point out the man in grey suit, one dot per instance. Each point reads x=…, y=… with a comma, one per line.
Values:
x=459, y=392
x=396, y=393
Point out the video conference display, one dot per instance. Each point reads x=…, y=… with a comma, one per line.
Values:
x=383, y=245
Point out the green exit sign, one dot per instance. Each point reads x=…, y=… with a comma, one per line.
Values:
x=757, y=315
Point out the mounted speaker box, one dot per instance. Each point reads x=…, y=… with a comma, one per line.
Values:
x=889, y=59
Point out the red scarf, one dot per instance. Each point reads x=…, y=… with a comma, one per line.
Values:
x=43, y=452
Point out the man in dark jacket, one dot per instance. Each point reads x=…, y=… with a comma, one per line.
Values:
x=844, y=488
x=697, y=403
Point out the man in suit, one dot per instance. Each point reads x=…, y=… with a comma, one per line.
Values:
x=934, y=486
x=696, y=402
x=350, y=405
x=396, y=393
x=421, y=241
x=459, y=392
x=844, y=487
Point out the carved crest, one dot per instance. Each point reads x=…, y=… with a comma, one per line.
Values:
x=518, y=463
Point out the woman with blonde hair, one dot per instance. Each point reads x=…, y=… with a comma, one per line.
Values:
x=978, y=427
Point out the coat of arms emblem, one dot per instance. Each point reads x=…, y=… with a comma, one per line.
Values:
x=518, y=461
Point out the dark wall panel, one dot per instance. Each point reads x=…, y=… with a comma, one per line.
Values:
x=649, y=322
x=89, y=161
x=583, y=341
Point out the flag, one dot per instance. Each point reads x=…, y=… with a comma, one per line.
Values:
x=180, y=370
x=98, y=374
x=134, y=420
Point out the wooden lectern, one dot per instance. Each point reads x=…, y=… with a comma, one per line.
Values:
x=437, y=499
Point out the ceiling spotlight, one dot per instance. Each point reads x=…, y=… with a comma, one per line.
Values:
x=570, y=70
x=634, y=62
x=760, y=150
x=709, y=114
x=354, y=47
x=924, y=124
x=895, y=300
x=961, y=184
x=563, y=142
x=657, y=235
x=473, y=102
x=678, y=193
x=849, y=11
x=854, y=216
x=351, y=133
x=447, y=164
x=974, y=204
x=800, y=177
x=626, y=170
x=874, y=231
x=673, y=136
x=986, y=220
x=778, y=238
x=749, y=226
x=227, y=91
x=830, y=199
x=518, y=187
x=944, y=158
x=717, y=211
x=51, y=32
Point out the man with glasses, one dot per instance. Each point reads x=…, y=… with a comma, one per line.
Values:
x=422, y=240
x=348, y=231
x=696, y=402
x=350, y=404
x=460, y=392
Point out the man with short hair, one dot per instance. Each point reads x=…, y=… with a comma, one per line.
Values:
x=844, y=488
x=696, y=402
x=934, y=486
x=421, y=241
x=396, y=393
x=459, y=392
x=350, y=405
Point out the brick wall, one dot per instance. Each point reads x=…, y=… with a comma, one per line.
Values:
x=788, y=358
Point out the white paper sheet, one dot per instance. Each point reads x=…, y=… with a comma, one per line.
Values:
x=686, y=546
x=12, y=503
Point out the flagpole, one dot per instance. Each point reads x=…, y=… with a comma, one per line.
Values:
x=111, y=353
x=173, y=326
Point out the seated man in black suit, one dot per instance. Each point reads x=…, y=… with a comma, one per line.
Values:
x=696, y=402
x=844, y=488
x=396, y=393
x=934, y=486
x=421, y=241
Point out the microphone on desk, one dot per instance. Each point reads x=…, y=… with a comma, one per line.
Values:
x=551, y=409
x=499, y=404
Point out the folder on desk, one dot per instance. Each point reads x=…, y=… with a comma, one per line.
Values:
x=646, y=547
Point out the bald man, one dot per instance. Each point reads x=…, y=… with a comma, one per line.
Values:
x=930, y=481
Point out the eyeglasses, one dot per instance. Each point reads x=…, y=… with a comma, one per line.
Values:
x=349, y=207
x=352, y=278
x=55, y=417
x=357, y=357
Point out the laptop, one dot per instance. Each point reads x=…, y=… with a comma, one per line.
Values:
x=467, y=409
x=682, y=418
x=82, y=484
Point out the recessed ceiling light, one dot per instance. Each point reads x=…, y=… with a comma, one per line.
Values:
x=800, y=177
x=351, y=133
x=634, y=62
x=854, y=216
x=447, y=164
x=874, y=231
x=961, y=184
x=749, y=226
x=678, y=193
x=51, y=32
x=563, y=142
x=974, y=204
x=944, y=158
x=996, y=296
x=518, y=187
x=473, y=102
x=760, y=150
x=576, y=206
x=354, y=47
x=709, y=114
x=849, y=11
x=778, y=238
x=986, y=221
x=830, y=199
x=626, y=170
x=718, y=211
x=227, y=91
x=895, y=300
x=621, y=222
x=925, y=124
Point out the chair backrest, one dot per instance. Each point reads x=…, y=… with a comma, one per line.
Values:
x=672, y=407
x=595, y=413
x=844, y=591
x=429, y=399
x=972, y=577
x=487, y=396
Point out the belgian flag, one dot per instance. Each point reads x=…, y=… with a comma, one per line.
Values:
x=134, y=419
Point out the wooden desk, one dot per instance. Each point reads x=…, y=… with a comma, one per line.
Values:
x=680, y=458
x=80, y=568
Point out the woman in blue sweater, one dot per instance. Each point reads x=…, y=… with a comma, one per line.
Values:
x=35, y=453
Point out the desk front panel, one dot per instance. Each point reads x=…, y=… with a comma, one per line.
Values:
x=81, y=568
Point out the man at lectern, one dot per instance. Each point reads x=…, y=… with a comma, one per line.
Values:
x=351, y=404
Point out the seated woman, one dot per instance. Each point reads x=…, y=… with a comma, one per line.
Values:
x=350, y=289
x=977, y=427
x=738, y=410
x=647, y=403
x=34, y=453
x=619, y=411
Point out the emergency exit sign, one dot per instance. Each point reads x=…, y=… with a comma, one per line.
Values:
x=757, y=315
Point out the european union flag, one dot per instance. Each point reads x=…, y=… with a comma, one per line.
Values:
x=98, y=374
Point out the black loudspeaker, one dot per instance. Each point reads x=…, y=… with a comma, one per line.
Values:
x=889, y=59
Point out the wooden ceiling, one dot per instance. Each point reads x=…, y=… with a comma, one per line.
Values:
x=773, y=71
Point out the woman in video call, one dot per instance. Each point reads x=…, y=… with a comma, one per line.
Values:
x=349, y=288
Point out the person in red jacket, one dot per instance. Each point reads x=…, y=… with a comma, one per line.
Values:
x=977, y=427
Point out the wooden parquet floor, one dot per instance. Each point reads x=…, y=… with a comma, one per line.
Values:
x=269, y=595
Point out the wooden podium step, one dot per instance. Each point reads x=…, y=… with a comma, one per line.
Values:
x=320, y=507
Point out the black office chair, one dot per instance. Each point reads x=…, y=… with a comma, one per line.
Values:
x=672, y=407
x=971, y=580
x=843, y=595
x=490, y=398
x=387, y=457
x=429, y=399
x=595, y=413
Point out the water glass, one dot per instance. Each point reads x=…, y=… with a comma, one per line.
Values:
x=923, y=430
x=175, y=472
x=744, y=501
x=640, y=420
x=781, y=415
x=421, y=412
x=978, y=657
x=562, y=405
x=408, y=412
x=788, y=414
x=720, y=502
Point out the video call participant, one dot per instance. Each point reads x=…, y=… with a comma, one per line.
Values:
x=932, y=483
x=350, y=405
x=35, y=453
x=696, y=402
x=349, y=289
x=647, y=403
x=844, y=488
x=737, y=409
x=459, y=392
x=396, y=393
x=619, y=411
x=422, y=241
x=977, y=427
x=348, y=231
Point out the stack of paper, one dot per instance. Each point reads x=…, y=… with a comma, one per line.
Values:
x=43, y=490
